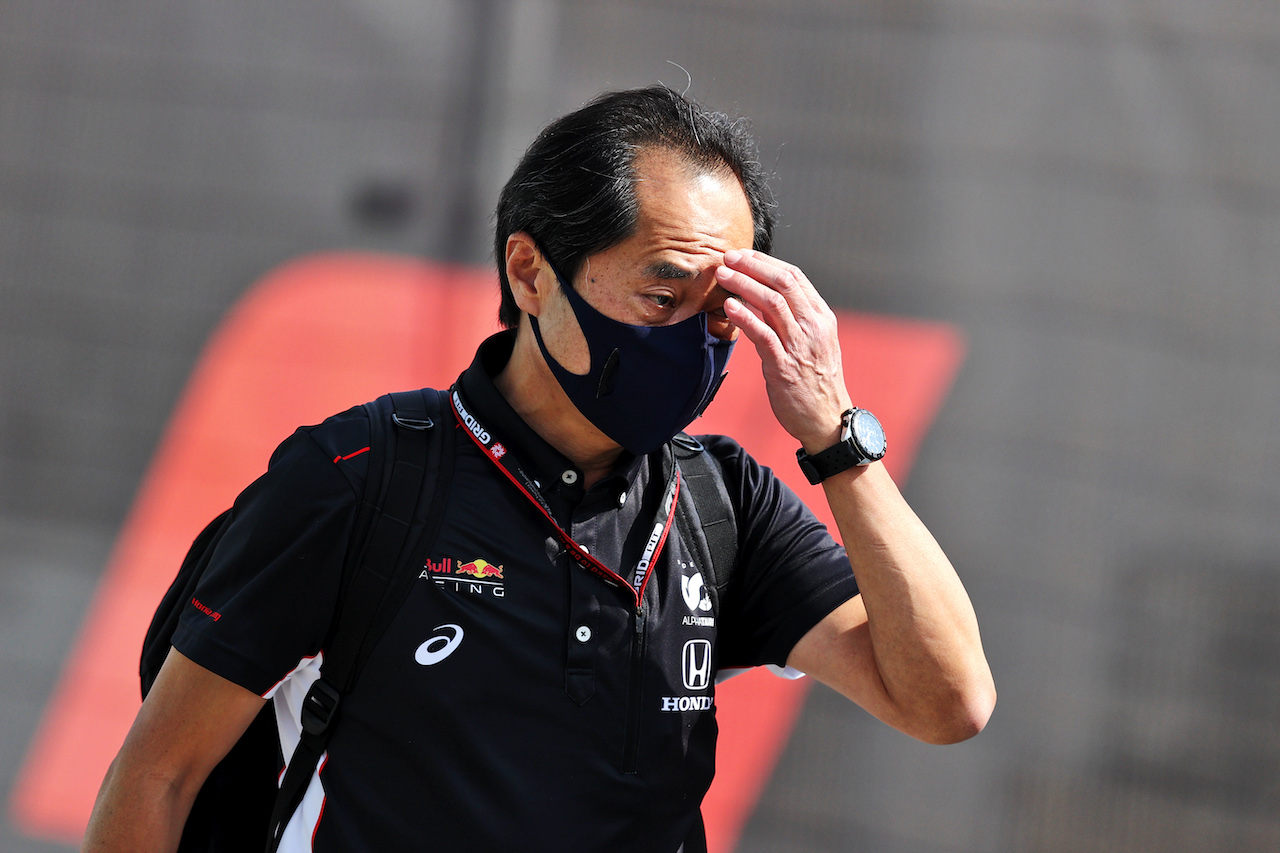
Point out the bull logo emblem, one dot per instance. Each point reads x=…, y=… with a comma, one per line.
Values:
x=480, y=569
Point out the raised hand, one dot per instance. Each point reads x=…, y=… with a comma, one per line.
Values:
x=794, y=331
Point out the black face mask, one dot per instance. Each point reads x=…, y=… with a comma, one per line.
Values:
x=646, y=383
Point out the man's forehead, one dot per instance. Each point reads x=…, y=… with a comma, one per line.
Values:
x=670, y=191
x=657, y=165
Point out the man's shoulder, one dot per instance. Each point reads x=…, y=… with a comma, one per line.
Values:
x=733, y=460
x=343, y=433
x=349, y=431
x=752, y=486
x=721, y=446
x=346, y=438
x=742, y=475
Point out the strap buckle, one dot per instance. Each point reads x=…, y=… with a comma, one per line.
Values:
x=420, y=424
x=687, y=443
x=320, y=707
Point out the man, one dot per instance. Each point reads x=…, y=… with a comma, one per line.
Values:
x=568, y=704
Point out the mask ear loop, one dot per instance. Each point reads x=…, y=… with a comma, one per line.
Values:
x=537, y=329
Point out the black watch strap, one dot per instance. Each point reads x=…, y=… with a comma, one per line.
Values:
x=841, y=456
x=836, y=458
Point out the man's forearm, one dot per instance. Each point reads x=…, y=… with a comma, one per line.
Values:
x=136, y=812
x=189, y=721
x=912, y=656
x=923, y=630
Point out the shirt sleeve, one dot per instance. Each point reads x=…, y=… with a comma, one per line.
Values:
x=268, y=596
x=790, y=572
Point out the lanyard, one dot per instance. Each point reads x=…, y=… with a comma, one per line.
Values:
x=502, y=457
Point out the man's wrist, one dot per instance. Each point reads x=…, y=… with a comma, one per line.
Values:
x=860, y=442
x=820, y=442
x=827, y=429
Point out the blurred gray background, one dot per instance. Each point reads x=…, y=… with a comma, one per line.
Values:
x=1090, y=189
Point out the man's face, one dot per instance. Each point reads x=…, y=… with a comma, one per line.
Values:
x=664, y=272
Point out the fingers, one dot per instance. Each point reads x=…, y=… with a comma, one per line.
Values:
x=795, y=333
x=778, y=293
x=779, y=276
x=749, y=321
x=758, y=286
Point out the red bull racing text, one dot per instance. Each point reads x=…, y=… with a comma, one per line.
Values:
x=476, y=577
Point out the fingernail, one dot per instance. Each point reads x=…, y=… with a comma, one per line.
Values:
x=732, y=256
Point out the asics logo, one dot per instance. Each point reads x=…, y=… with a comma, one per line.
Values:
x=440, y=646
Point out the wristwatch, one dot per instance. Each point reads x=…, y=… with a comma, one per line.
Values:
x=861, y=443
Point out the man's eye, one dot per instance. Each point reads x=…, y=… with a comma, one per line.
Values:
x=662, y=300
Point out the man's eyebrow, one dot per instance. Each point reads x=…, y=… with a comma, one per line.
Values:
x=667, y=270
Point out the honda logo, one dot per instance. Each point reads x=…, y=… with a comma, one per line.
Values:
x=696, y=664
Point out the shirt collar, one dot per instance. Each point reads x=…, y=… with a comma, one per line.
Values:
x=548, y=466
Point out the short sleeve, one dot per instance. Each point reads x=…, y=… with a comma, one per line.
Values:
x=268, y=596
x=790, y=572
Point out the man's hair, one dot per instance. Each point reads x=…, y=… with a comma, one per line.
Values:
x=574, y=189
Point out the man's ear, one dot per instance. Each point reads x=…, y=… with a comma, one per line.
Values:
x=528, y=272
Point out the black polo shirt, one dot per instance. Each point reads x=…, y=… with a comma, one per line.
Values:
x=518, y=700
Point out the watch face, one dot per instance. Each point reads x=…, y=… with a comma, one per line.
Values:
x=868, y=433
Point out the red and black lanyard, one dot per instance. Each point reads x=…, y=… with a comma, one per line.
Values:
x=502, y=457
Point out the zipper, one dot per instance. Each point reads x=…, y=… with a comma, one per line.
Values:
x=631, y=736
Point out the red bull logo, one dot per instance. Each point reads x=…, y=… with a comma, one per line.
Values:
x=479, y=569
x=478, y=577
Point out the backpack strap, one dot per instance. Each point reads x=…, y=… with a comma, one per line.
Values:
x=411, y=460
x=710, y=511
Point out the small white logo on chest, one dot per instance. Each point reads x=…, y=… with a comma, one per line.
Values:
x=695, y=592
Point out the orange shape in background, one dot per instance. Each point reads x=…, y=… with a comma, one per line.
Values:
x=323, y=333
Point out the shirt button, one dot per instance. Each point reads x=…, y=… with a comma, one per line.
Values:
x=622, y=499
x=569, y=477
x=583, y=633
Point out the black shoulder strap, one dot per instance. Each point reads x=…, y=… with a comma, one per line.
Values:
x=411, y=460
x=711, y=512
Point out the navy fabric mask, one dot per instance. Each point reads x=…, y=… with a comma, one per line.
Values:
x=646, y=383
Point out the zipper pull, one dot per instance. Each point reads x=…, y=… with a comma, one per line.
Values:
x=640, y=620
